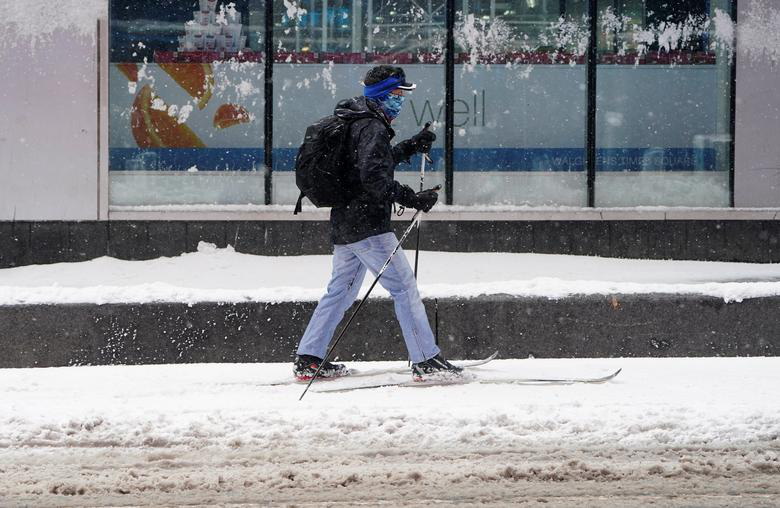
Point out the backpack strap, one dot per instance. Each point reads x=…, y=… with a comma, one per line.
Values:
x=298, y=205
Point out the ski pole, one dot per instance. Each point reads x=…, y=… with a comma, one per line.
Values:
x=422, y=183
x=415, y=221
x=424, y=158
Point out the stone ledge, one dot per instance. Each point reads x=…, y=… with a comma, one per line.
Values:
x=748, y=241
x=465, y=213
x=575, y=327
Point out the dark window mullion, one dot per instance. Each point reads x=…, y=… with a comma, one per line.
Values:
x=590, y=136
x=733, y=109
x=449, y=102
x=268, y=141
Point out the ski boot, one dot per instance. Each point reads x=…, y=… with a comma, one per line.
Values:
x=436, y=368
x=306, y=366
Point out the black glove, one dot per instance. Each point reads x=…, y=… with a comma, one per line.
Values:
x=407, y=197
x=423, y=140
x=419, y=201
x=426, y=199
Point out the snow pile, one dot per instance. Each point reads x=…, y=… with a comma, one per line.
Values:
x=223, y=275
x=724, y=31
x=483, y=39
x=758, y=32
x=669, y=36
x=294, y=12
x=487, y=40
x=202, y=433
x=34, y=22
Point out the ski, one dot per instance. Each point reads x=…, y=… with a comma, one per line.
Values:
x=448, y=382
x=353, y=373
x=553, y=381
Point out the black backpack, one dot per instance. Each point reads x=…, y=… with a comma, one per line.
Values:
x=320, y=163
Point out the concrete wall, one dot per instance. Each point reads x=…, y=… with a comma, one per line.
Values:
x=757, y=158
x=577, y=327
x=750, y=241
x=49, y=127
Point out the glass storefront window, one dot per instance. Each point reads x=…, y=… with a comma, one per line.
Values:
x=186, y=103
x=520, y=103
x=187, y=88
x=323, y=51
x=663, y=102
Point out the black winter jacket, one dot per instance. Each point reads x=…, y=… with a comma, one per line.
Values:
x=370, y=170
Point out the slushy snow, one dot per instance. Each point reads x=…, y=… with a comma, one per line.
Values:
x=706, y=431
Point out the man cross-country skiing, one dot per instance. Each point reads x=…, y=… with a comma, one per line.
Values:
x=361, y=233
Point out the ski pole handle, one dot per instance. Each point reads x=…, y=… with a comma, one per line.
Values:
x=422, y=170
x=426, y=156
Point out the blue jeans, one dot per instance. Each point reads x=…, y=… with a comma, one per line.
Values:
x=350, y=262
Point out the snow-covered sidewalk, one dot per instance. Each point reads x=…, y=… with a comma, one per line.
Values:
x=213, y=274
x=213, y=433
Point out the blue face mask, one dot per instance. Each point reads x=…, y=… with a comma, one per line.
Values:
x=392, y=105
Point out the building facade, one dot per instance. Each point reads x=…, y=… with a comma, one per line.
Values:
x=141, y=109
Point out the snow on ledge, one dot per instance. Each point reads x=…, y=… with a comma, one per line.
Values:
x=224, y=275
